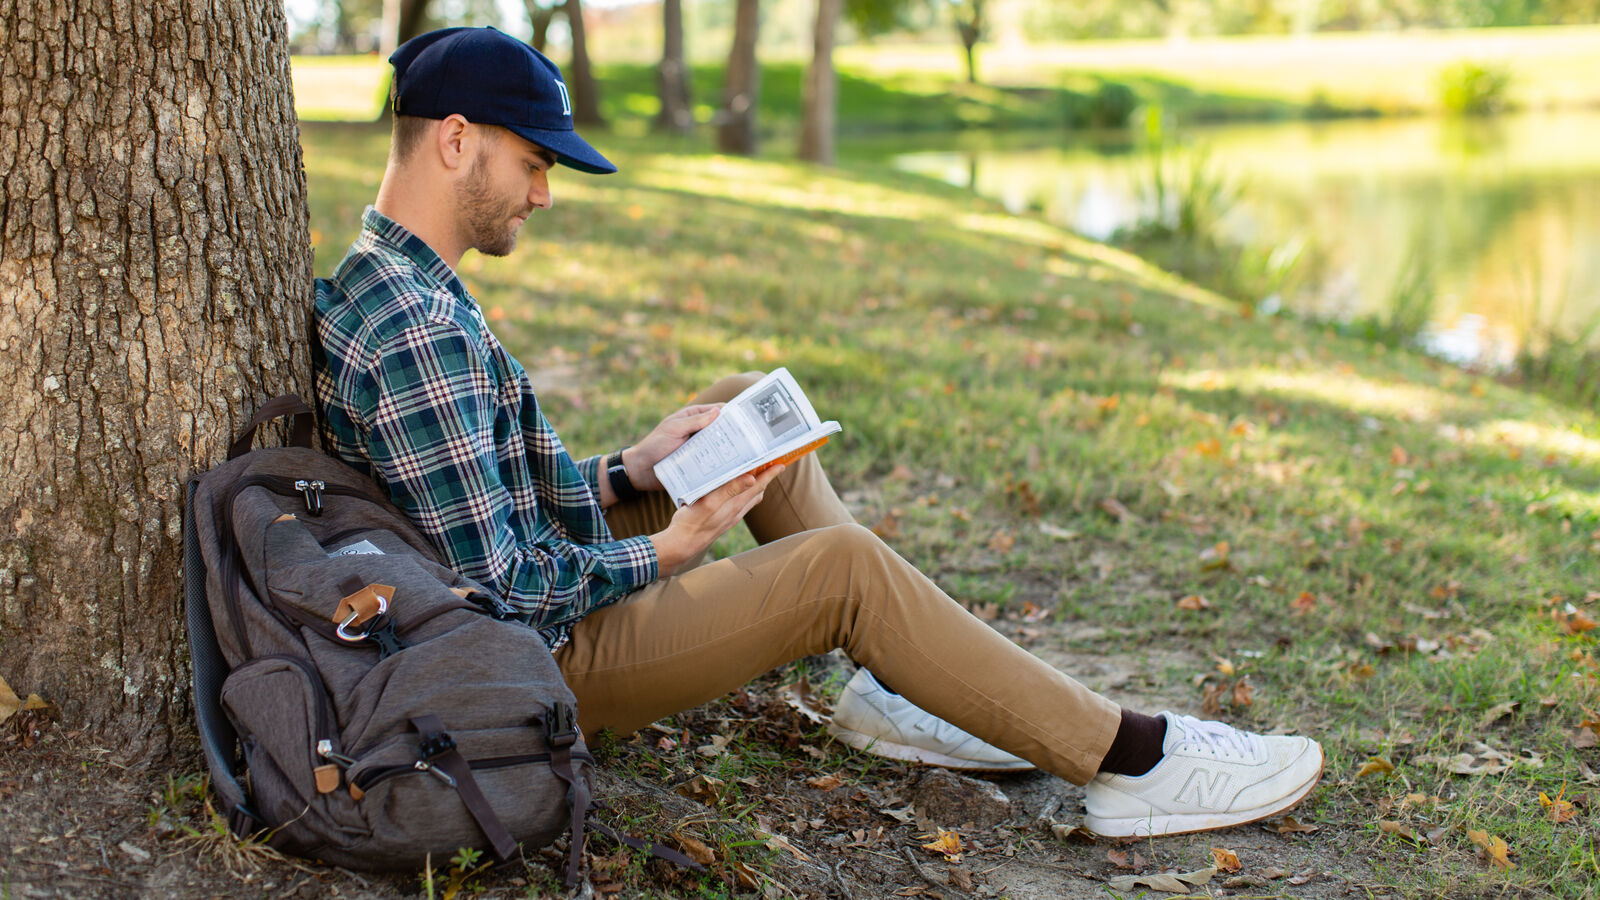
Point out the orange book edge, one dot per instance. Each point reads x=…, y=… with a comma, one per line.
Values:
x=791, y=456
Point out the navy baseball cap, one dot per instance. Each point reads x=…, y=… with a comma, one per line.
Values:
x=491, y=78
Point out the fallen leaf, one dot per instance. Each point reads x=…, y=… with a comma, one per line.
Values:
x=1227, y=860
x=1169, y=882
x=1577, y=622
x=706, y=789
x=1377, y=765
x=1493, y=848
x=1057, y=532
x=1497, y=712
x=1194, y=603
x=1584, y=738
x=1002, y=541
x=1289, y=825
x=1215, y=557
x=1400, y=829
x=1113, y=507
x=1558, y=810
x=1072, y=833
x=1304, y=603
x=947, y=843
x=9, y=701
x=1242, y=690
x=825, y=782
x=1119, y=858
x=695, y=849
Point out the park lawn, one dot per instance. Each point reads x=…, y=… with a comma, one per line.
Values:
x=1292, y=528
x=889, y=87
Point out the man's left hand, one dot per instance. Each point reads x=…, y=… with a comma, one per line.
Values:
x=640, y=459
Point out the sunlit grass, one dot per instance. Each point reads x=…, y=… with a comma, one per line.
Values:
x=995, y=374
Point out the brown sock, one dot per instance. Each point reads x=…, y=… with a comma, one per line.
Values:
x=1137, y=747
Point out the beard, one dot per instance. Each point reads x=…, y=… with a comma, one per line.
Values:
x=486, y=220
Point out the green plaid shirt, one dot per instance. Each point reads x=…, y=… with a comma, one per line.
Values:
x=417, y=392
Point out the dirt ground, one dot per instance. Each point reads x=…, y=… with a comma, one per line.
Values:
x=807, y=819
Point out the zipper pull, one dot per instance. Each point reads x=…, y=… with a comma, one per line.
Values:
x=442, y=775
x=325, y=750
x=312, y=492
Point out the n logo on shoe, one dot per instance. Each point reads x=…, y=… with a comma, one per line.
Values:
x=1204, y=788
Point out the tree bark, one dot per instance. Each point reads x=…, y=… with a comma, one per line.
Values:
x=156, y=270
x=541, y=16
x=585, y=92
x=673, y=76
x=741, y=92
x=820, y=94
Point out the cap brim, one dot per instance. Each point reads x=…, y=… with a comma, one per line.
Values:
x=570, y=150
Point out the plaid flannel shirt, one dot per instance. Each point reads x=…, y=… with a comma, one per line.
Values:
x=416, y=391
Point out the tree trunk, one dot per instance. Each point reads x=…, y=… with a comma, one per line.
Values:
x=970, y=29
x=673, y=76
x=156, y=270
x=741, y=90
x=402, y=21
x=541, y=16
x=820, y=94
x=585, y=92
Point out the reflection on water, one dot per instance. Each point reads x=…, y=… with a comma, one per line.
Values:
x=1500, y=217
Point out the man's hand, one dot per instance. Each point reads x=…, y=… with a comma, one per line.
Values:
x=640, y=459
x=696, y=526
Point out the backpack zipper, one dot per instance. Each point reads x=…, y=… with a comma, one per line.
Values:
x=368, y=779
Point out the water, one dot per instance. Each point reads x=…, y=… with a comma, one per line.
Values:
x=1497, y=220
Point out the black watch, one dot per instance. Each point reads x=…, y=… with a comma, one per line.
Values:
x=621, y=485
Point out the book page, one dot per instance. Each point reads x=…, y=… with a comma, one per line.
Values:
x=767, y=420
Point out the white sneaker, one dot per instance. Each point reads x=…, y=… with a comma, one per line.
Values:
x=873, y=720
x=1212, y=776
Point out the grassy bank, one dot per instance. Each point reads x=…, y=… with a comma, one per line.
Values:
x=888, y=87
x=1392, y=555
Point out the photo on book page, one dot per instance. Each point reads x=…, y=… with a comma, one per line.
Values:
x=772, y=420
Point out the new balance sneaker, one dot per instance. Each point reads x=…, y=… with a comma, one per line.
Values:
x=870, y=718
x=1212, y=776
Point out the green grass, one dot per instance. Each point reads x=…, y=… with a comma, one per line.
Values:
x=895, y=88
x=1431, y=515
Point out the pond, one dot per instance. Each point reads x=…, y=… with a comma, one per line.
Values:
x=1494, y=223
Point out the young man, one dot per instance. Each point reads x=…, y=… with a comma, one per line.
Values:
x=416, y=390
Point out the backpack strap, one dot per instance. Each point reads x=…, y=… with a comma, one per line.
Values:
x=285, y=405
x=561, y=729
x=439, y=752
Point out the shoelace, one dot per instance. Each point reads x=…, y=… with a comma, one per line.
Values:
x=1222, y=740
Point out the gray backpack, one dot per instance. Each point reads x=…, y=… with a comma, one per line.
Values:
x=359, y=702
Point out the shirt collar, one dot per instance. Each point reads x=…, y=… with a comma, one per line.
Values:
x=395, y=238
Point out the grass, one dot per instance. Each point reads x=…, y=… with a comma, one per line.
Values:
x=886, y=87
x=1403, y=539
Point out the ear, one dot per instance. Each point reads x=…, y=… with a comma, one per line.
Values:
x=454, y=140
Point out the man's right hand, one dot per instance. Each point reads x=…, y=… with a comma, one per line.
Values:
x=694, y=527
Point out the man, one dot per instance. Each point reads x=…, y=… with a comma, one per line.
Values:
x=418, y=391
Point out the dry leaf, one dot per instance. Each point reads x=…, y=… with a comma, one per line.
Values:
x=695, y=849
x=1169, y=882
x=1072, y=833
x=1289, y=825
x=1497, y=712
x=1214, y=557
x=947, y=843
x=1057, y=532
x=1227, y=860
x=1242, y=691
x=1493, y=848
x=825, y=782
x=704, y=788
x=1002, y=541
x=1194, y=603
x=1304, y=603
x=1585, y=738
x=1400, y=829
x=9, y=701
x=1558, y=810
x=1577, y=622
x=1116, y=510
x=1375, y=766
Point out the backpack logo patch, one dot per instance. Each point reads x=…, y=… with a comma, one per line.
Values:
x=359, y=548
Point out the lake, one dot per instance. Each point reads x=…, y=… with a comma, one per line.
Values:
x=1497, y=221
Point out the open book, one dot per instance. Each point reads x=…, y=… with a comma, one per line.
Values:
x=771, y=422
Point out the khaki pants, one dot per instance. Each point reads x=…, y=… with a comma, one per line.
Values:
x=818, y=582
